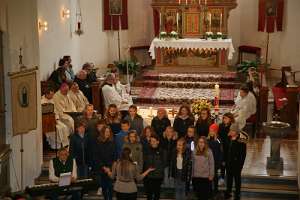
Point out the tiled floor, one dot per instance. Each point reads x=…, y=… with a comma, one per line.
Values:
x=259, y=149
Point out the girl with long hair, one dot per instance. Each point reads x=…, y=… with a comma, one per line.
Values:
x=126, y=173
x=183, y=120
x=132, y=142
x=104, y=155
x=135, y=120
x=145, y=138
x=203, y=122
x=113, y=118
x=203, y=169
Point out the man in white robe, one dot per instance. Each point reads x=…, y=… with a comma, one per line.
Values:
x=63, y=104
x=123, y=90
x=61, y=129
x=78, y=98
x=111, y=96
x=245, y=106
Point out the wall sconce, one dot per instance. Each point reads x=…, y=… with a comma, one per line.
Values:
x=66, y=13
x=43, y=25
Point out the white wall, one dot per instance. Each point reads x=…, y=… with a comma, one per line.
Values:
x=19, y=24
x=284, y=46
x=60, y=39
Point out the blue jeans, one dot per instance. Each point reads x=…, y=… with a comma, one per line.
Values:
x=107, y=187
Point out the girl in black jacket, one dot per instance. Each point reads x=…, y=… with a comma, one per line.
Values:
x=181, y=169
x=183, y=120
x=168, y=143
x=104, y=155
x=203, y=122
x=154, y=158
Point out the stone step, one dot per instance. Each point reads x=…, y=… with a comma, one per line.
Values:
x=145, y=95
x=191, y=77
x=183, y=84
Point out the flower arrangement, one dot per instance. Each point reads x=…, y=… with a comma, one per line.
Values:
x=198, y=105
x=174, y=35
x=219, y=35
x=209, y=34
x=164, y=35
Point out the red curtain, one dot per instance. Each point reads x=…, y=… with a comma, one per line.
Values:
x=268, y=22
x=156, y=22
x=112, y=22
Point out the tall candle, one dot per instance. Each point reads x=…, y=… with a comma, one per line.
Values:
x=221, y=22
x=209, y=17
x=160, y=21
x=199, y=2
x=179, y=1
x=186, y=2
x=205, y=2
x=217, y=90
x=177, y=21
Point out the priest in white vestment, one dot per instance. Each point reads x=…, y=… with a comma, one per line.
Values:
x=63, y=104
x=111, y=96
x=123, y=90
x=78, y=98
x=61, y=129
x=245, y=106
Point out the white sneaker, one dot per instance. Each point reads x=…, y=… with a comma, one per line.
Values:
x=99, y=191
x=221, y=182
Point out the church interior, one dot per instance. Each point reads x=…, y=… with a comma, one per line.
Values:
x=149, y=99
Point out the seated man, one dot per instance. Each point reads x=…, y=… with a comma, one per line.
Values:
x=123, y=90
x=60, y=165
x=79, y=100
x=111, y=96
x=84, y=84
x=61, y=129
x=63, y=104
x=245, y=106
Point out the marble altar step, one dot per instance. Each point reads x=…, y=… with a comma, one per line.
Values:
x=175, y=96
x=190, y=76
x=184, y=84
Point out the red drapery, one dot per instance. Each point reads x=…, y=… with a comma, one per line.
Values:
x=112, y=22
x=156, y=22
x=269, y=21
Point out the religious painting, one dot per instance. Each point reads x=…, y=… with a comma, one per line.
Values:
x=115, y=7
x=24, y=101
x=215, y=20
x=191, y=24
x=171, y=20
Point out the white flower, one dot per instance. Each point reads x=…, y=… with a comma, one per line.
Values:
x=209, y=33
x=174, y=33
x=163, y=33
x=219, y=33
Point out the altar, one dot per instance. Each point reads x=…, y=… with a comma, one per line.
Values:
x=191, y=32
x=191, y=52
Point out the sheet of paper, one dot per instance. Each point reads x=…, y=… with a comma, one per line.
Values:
x=65, y=179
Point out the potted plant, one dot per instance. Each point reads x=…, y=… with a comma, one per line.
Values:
x=244, y=67
x=133, y=67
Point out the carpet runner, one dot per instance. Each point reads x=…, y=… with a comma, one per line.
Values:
x=166, y=88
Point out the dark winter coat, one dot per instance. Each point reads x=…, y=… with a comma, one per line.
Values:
x=160, y=125
x=236, y=155
x=156, y=158
x=181, y=125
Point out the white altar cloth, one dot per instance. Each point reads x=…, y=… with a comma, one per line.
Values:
x=191, y=43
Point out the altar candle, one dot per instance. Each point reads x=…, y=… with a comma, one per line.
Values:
x=159, y=21
x=205, y=2
x=217, y=90
x=179, y=1
x=221, y=22
x=186, y=2
x=199, y=2
x=177, y=21
x=209, y=18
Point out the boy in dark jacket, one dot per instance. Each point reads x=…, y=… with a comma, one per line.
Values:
x=120, y=137
x=215, y=145
x=235, y=161
x=154, y=158
x=79, y=150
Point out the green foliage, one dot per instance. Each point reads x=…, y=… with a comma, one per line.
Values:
x=245, y=65
x=133, y=66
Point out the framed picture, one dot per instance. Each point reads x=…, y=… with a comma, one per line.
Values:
x=115, y=7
